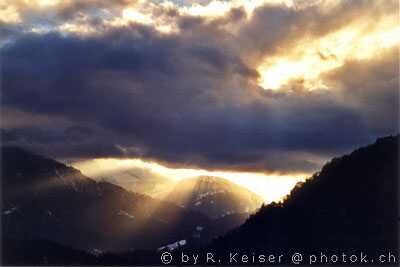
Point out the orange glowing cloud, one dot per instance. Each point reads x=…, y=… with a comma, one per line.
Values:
x=308, y=59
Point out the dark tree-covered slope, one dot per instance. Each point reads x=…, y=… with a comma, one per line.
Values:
x=351, y=204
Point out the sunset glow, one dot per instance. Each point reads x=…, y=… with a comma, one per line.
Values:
x=47, y=2
x=271, y=187
x=132, y=14
x=309, y=59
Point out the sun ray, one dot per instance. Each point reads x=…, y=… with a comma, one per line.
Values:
x=272, y=187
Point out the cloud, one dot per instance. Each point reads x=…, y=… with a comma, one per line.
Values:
x=371, y=88
x=192, y=97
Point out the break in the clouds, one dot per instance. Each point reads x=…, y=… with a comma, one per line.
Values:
x=274, y=86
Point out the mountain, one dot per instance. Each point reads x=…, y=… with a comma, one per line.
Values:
x=53, y=215
x=216, y=197
x=351, y=204
x=128, y=176
x=142, y=183
x=44, y=200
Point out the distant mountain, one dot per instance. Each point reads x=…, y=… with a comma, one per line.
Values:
x=216, y=197
x=350, y=205
x=137, y=180
x=46, y=200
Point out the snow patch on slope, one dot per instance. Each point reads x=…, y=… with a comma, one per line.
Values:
x=173, y=246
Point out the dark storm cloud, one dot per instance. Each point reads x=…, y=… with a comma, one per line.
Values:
x=188, y=98
x=373, y=89
x=173, y=98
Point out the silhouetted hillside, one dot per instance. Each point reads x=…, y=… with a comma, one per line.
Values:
x=35, y=252
x=54, y=215
x=46, y=200
x=351, y=204
x=216, y=197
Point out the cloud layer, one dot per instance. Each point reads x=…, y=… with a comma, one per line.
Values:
x=192, y=95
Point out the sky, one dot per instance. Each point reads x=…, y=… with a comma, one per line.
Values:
x=262, y=88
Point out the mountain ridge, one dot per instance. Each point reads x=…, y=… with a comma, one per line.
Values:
x=214, y=196
x=47, y=200
x=352, y=203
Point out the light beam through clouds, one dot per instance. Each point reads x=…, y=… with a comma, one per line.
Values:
x=271, y=187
